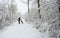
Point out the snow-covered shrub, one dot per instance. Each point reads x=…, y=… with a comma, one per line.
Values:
x=50, y=17
x=8, y=13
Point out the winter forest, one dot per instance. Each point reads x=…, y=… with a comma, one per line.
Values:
x=29, y=18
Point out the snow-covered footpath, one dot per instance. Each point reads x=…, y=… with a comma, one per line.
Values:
x=21, y=31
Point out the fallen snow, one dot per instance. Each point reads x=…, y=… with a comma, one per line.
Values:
x=21, y=31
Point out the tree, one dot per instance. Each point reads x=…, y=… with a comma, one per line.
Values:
x=12, y=10
x=50, y=20
x=59, y=5
x=38, y=3
x=8, y=13
x=28, y=6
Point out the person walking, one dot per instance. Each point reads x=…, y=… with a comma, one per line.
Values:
x=20, y=20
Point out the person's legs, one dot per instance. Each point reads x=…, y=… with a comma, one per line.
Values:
x=21, y=21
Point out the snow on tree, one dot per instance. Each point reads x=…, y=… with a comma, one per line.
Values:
x=8, y=13
x=50, y=16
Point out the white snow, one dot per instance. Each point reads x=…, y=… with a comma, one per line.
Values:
x=21, y=31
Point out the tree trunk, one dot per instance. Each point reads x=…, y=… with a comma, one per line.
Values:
x=59, y=4
x=38, y=2
x=28, y=6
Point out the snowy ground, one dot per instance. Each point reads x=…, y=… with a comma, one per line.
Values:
x=21, y=31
